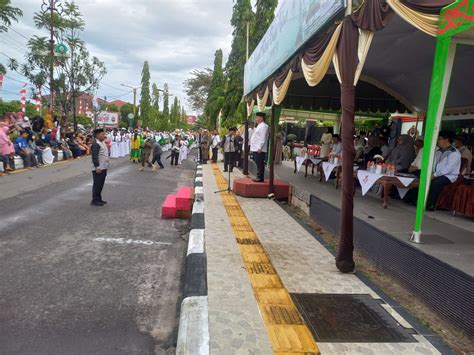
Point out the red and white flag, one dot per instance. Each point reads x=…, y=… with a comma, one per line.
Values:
x=23, y=98
x=38, y=100
x=1, y=80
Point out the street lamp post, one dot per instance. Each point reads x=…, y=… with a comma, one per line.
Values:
x=134, y=97
x=51, y=7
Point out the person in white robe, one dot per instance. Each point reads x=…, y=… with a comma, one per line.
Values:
x=114, y=138
x=183, y=151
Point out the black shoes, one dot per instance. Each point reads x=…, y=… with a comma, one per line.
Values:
x=104, y=202
x=97, y=203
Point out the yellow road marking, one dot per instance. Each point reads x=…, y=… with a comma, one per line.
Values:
x=286, y=329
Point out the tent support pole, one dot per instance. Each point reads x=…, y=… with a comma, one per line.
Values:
x=442, y=68
x=245, y=169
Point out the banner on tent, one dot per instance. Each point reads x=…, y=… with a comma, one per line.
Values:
x=295, y=23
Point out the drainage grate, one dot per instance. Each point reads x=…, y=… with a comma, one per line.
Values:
x=349, y=318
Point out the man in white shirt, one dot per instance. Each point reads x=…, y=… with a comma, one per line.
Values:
x=215, y=141
x=336, y=145
x=446, y=168
x=259, y=145
x=465, y=152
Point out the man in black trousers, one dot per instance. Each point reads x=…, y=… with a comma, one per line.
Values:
x=259, y=145
x=100, y=164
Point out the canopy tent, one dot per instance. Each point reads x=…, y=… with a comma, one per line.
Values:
x=389, y=44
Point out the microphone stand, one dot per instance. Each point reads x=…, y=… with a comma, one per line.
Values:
x=229, y=189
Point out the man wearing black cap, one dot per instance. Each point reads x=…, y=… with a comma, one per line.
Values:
x=259, y=145
x=100, y=164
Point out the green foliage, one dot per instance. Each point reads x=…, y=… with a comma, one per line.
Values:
x=145, y=100
x=155, y=97
x=291, y=138
x=79, y=72
x=10, y=106
x=112, y=108
x=8, y=14
x=166, y=103
x=265, y=13
x=3, y=70
x=197, y=88
x=84, y=120
x=215, y=99
x=125, y=110
x=241, y=16
x=174, y=113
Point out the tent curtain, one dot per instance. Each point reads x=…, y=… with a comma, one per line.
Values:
x=262, y=100
x=279, y=92
x=250, y=106
x=427, y=6
x=314, y=73
x=365, y=39
x=426, y=22
x=373, y=15
x=347, y=54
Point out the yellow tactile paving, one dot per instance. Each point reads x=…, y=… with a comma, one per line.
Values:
x=286, y=329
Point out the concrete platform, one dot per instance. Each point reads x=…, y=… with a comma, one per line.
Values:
x=247, y=188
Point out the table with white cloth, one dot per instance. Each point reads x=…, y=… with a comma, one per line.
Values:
x=306, y=161
x=327, y=169
x=402, y=183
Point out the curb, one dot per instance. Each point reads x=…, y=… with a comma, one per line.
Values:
x=193, y=333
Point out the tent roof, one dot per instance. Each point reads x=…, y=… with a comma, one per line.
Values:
x=401, y=59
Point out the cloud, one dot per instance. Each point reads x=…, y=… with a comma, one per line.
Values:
x=175, y=36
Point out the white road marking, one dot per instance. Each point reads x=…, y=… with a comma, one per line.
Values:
x=129, y=241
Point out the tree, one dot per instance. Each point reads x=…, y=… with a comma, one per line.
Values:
x=174, y=113
x=8, y=14
x=265, y=13
x=75, y=72
x=215, y=99
x=197, y=88
x=145, y=101
x=241, y=16
x=166, y=103
x=125, y=110
x=155, y=97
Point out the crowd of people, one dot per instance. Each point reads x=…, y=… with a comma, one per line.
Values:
x=405, y=152
x=30, y=144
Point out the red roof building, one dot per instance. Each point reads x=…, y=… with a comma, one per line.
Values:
x=118, y=103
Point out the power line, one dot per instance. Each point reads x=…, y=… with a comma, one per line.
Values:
x=113, y=87
x=18, y=33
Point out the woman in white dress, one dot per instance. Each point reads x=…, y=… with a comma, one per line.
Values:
x=114, y=141
x=326, y=143
x=183, y=151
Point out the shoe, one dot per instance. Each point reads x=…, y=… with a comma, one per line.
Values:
x=225, y=170
x=104, y=202
x=98, y=204
x=154, y=168
x=430, y=209
x=141, y=169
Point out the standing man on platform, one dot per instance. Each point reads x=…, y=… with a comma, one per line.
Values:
x=100, y=164
x=259, y=145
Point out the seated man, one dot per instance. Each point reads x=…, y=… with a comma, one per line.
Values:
x=416, y=164
x=336, y=146
x=447, y=164
x=459, y=142
x=22, y=149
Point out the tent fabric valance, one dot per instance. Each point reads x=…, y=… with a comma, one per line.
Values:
x=315, y=72
x=425, y=22
x=314, y=59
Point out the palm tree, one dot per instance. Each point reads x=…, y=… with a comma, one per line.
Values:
x=8, y=14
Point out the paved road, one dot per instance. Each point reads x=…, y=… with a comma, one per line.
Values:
x=68, y=283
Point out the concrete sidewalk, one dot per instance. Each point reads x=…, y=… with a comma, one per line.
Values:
x=252, y=305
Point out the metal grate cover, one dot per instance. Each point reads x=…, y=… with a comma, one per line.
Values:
x=349, y=319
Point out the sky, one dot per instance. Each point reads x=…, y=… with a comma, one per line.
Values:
x=175, y=36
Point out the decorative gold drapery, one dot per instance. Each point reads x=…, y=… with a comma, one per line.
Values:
x=425, y=22
x=279, y=93
x=314, y=73
x=262, y=102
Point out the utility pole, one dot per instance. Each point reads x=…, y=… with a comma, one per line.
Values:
x=246, y=122
x=51, y=6
x=134, y=88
